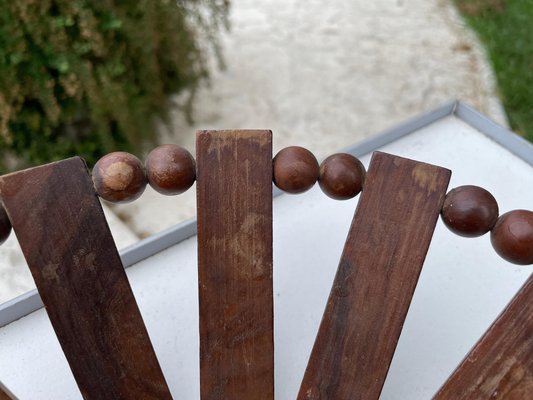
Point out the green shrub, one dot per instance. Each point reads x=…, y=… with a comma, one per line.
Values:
x=80, y=77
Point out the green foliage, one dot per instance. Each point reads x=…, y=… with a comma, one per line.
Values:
x=506, y=29
x=80, y=77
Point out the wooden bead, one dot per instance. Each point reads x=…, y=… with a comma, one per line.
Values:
x=512, y=237
x=295, y=169
x=119, y=177
x=170, y=169
x=341, y=176
x=5, y=225
x=469, y=211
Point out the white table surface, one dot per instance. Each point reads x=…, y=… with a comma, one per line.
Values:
x=464, y=285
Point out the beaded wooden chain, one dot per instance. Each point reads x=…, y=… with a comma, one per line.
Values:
x=468, y=211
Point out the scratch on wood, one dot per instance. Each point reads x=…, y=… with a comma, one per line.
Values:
x=424, y=179
x=49, y=272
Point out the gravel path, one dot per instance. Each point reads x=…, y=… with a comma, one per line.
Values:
x=326, y=74
x=320, y=74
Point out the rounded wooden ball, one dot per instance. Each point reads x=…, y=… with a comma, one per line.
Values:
x=469, y=211
x=295, y=169
x=170, y=169
x=512, y=237
x=119, y=177
x=5, y=225
x=341, y=176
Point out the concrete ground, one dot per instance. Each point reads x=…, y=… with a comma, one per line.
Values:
x=320, y=74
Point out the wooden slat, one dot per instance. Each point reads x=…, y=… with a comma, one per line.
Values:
x=500, y=366
x=67, y=244
x=234, y=189
x=376, y=278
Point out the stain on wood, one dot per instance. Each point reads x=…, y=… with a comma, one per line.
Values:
x=377, y=275
x=234, y=200
x=69, y=249
x=500, y=366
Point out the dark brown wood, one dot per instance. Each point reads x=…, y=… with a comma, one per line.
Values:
x=295, y=169
x=469, y=211
x=4, y=395
x=512, y=237
x=170, y=169
x=119, y=177
x=500, y=366
x=234, y=189
x=341, y=176
x=69, y=249
x=376, y=278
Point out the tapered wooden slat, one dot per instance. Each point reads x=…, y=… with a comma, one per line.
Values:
x=500, y=366
x=376, y=278
x=67, y=244
x=234, y=189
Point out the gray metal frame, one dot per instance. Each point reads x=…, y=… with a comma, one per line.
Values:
x=30, y=301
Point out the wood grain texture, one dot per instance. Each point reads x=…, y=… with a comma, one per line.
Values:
x=234, y=200
x=69, y=249
x=500, y=366
x=377, y=275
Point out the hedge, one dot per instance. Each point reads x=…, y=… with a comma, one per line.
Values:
x=84, y=77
